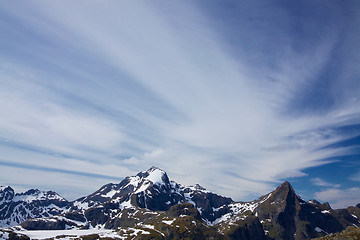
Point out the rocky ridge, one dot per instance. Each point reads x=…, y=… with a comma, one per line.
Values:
x=149, y=204
x=16, y=208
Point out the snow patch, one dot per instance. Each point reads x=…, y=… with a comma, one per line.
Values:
x=266, y=198
x=74, y=233
x=133, y=181
x=110, y=194
x=147, y=226
x=155, y=176
x=168, y=222
x=82, y=205
x=126, y=204
x=320, y=230
x=143, y=187
x=4, y=235
x=236, y=209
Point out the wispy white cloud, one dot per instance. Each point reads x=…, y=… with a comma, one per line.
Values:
x=340, y=198
x=322, y=183
x=70, y=186
x=33, y=119
x=166, y=90
x=355, y=177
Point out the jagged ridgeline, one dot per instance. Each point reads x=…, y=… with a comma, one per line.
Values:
x=150, y=206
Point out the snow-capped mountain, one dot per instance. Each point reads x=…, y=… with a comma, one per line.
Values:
x=153, y=190
x=16, y=208
x=149, y=203
x=151, y=187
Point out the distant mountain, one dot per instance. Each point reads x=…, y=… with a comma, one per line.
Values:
x=150, y=205
x=16, y=208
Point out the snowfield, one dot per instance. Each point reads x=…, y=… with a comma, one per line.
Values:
x=68, y=234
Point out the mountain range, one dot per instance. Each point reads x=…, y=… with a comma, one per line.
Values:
x=151, y=206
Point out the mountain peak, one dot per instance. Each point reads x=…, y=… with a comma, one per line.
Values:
x=6, y=189
x=6, y=193
x=154, y=175
x=280, y=214
x=152, y=168
x=3, y=188
x=285, y=186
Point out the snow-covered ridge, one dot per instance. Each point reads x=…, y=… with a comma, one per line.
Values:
x=145, y=179
x=16, y=208
x=37, y=195
x=3, y=188
x=150, y=189
x=156, y=176
x=74, y=233
x=236, y=209
x=150, y=197
x=153, y=190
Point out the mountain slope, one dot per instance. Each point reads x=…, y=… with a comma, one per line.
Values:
x=349, y=233
x=153, y=190
x=16, y=208
x=152, y=206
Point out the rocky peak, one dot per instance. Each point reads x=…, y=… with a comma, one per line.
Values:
x=154, y=175
x=280, y=208
x=199, y=188
x=278, y=199
x=142, y=182
x=6, y=194
x=285, y=186
x=283, y=192
x=154, y=190
x=314, y=201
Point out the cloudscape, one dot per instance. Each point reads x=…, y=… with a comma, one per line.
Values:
x=237, y=96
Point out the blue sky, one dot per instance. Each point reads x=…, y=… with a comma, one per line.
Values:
x=235, y=96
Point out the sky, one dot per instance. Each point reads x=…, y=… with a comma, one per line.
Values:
x=237, y=96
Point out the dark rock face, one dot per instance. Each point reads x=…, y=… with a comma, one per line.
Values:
x=44, y=225
x=293, y=218
x=206, y=202
x=278, y=212
x=248, y=229
x=184, y=209
x=160, y=197
x=96, y=216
